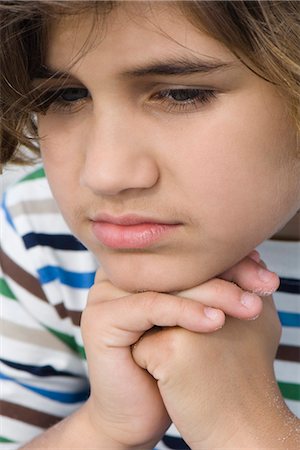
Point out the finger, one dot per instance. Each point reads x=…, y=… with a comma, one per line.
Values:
x=226, y=296
x=252, y=275
x=104, y=291
x=122, y=321
x=255, y=255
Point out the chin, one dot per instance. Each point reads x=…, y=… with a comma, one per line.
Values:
x=158, y=280
x=131, y=285
x=142, y=272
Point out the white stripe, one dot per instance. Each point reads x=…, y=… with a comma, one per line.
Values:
x=172, y=431
x=34, y=355
x=13, y=246
x=19, y=431
x=7, y=446
x=42, y=311
x=11, y=310
x=73, y=298
x=294, y=406
x=71, y=260
x=283, y=257
x=287, y=371
x=58, y=383
x=78, y=336
x=35, y=189
x=40, y=223
x=290, y=336
x=35, y=401
x=287, y=302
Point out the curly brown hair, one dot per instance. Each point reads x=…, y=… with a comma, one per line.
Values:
x=263, y=34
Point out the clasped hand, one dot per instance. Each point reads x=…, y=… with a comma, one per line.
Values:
x=154, y=358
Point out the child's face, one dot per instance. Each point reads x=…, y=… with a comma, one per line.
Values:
x=220, y=169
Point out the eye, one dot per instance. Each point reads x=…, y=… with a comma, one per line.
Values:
x=69, y=99
x=185, y=100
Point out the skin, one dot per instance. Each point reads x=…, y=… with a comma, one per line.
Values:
x=211, y=169
x=139, y=157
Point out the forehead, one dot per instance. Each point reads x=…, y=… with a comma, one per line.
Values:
x=130, y=35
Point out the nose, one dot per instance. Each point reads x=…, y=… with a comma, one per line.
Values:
x=117, y=158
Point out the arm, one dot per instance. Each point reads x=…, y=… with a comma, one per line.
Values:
x=77, y=432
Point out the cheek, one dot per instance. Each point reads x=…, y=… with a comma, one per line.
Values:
x=62, y=159
x=238, y=170
x=62, y=145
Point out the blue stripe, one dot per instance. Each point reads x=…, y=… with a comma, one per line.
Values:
x=6, y=212
x=81, y=280
x=62, y=397
x=289, y=285
x=289, y=319
x=39, y=371
x=175, y=442
x=57, y=241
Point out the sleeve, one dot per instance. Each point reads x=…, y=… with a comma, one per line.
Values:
x=42, y=378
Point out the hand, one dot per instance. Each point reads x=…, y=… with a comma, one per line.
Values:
x=125, y=403
x=219, y=389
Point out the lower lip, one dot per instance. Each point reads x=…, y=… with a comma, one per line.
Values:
x=142, y=235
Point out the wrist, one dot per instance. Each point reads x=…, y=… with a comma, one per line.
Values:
x=260, y=423
x=77, y=431
x=110, y=435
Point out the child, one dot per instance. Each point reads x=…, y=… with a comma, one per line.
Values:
x=162, y=127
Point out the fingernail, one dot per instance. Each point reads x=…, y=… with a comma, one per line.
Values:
x=264, y=292
x=254, y=318
x=248, y=300
x=265, y=275
x=211, y=313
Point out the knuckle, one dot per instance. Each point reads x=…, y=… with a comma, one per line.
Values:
x=169, y=351
x=172, y=342
x=184, y=306
x=149, y=301
x=93, y=314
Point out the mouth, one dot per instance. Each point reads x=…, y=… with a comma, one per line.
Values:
x=130, y=231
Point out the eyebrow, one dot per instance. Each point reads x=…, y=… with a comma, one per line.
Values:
x=178, y=66
x=173, y=66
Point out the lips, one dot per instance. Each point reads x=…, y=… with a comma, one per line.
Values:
x=130, y=231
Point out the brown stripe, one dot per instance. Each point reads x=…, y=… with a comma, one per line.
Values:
x=63, y=313
x=288, y=353
x=20, y=276
x=42, y=339
x=28, y=415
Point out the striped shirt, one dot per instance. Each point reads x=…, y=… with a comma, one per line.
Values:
x=45, y=278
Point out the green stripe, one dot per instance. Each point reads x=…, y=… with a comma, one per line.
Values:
x=69, y=341
x=4, y=439
x=290, y=391
x=5, y=290
x=39, y=173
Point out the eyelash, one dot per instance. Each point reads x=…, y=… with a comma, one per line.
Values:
x=193, y=99
x=198, y=98
x=53, y=101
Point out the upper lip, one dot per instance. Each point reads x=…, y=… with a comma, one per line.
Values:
x=130, y=219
